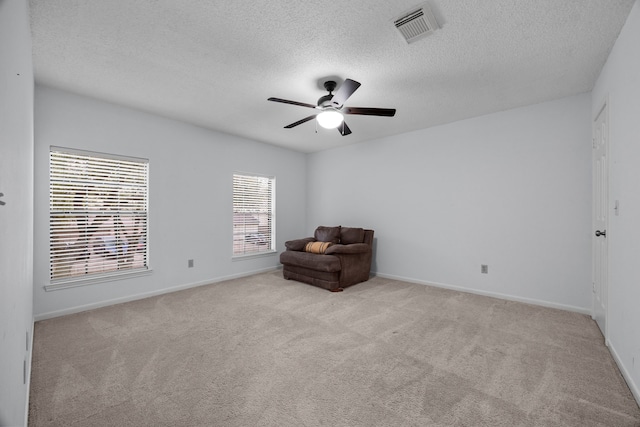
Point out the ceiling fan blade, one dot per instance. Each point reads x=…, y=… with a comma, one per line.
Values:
x=299, y=122
x=346, y=90
x=385, y=112
x=344, y=129
x=286, y=101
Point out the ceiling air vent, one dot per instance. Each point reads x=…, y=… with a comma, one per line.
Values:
x=416, y=24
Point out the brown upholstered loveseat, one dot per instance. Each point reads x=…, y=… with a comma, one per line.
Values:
x=344, y=261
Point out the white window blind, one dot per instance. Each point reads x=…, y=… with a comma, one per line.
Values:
x=253, y=214
x=98, y=220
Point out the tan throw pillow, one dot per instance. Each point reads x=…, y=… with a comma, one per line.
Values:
x=317, y=247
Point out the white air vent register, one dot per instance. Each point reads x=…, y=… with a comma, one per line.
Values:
x=416, y=24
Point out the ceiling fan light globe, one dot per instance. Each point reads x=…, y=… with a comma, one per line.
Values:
x=330, y=119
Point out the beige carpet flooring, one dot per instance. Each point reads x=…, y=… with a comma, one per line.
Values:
x=263, y=351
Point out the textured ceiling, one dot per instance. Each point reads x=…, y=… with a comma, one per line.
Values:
x=215, y=63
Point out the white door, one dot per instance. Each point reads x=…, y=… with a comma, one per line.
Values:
x=600, y=206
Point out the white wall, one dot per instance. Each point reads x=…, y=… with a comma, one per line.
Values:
x=620, y=81
x=511, y=190
x=16, y=217
x=190, y=195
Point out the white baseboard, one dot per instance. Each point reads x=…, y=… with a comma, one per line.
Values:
x=92, y=306
x=542, y=303
x=625, y=373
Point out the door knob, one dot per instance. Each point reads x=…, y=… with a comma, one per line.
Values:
x=601, y=233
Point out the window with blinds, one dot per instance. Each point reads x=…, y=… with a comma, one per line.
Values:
x=98, y=219
x=253, y=214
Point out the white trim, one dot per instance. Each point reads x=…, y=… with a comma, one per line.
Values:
x=107, y=277
x=625, y=374
x=251, y=256
x=78, y=152
x=581, y=310
x=80, y=308
x=605, y=108
x=29, y=364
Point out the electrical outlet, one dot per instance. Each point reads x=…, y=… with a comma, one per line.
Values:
x=190, y=263
x=484, y=269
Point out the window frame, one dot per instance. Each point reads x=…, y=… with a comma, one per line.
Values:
x=270, y=247
x=124, y=257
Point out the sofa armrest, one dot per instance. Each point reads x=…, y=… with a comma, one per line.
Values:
x=354, y=248
x=298, y=244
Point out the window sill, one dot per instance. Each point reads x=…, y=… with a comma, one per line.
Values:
x=108, y=277
x=251, y=256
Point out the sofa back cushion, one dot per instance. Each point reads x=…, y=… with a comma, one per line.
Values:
x=327, y=234
x=349, y=235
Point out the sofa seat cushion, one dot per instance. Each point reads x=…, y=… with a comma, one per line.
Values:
x=328, y=263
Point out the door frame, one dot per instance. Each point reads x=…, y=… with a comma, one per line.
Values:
x=605, y=106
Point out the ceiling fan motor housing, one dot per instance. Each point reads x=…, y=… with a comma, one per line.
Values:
x=330, y=85
x=325, y=101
